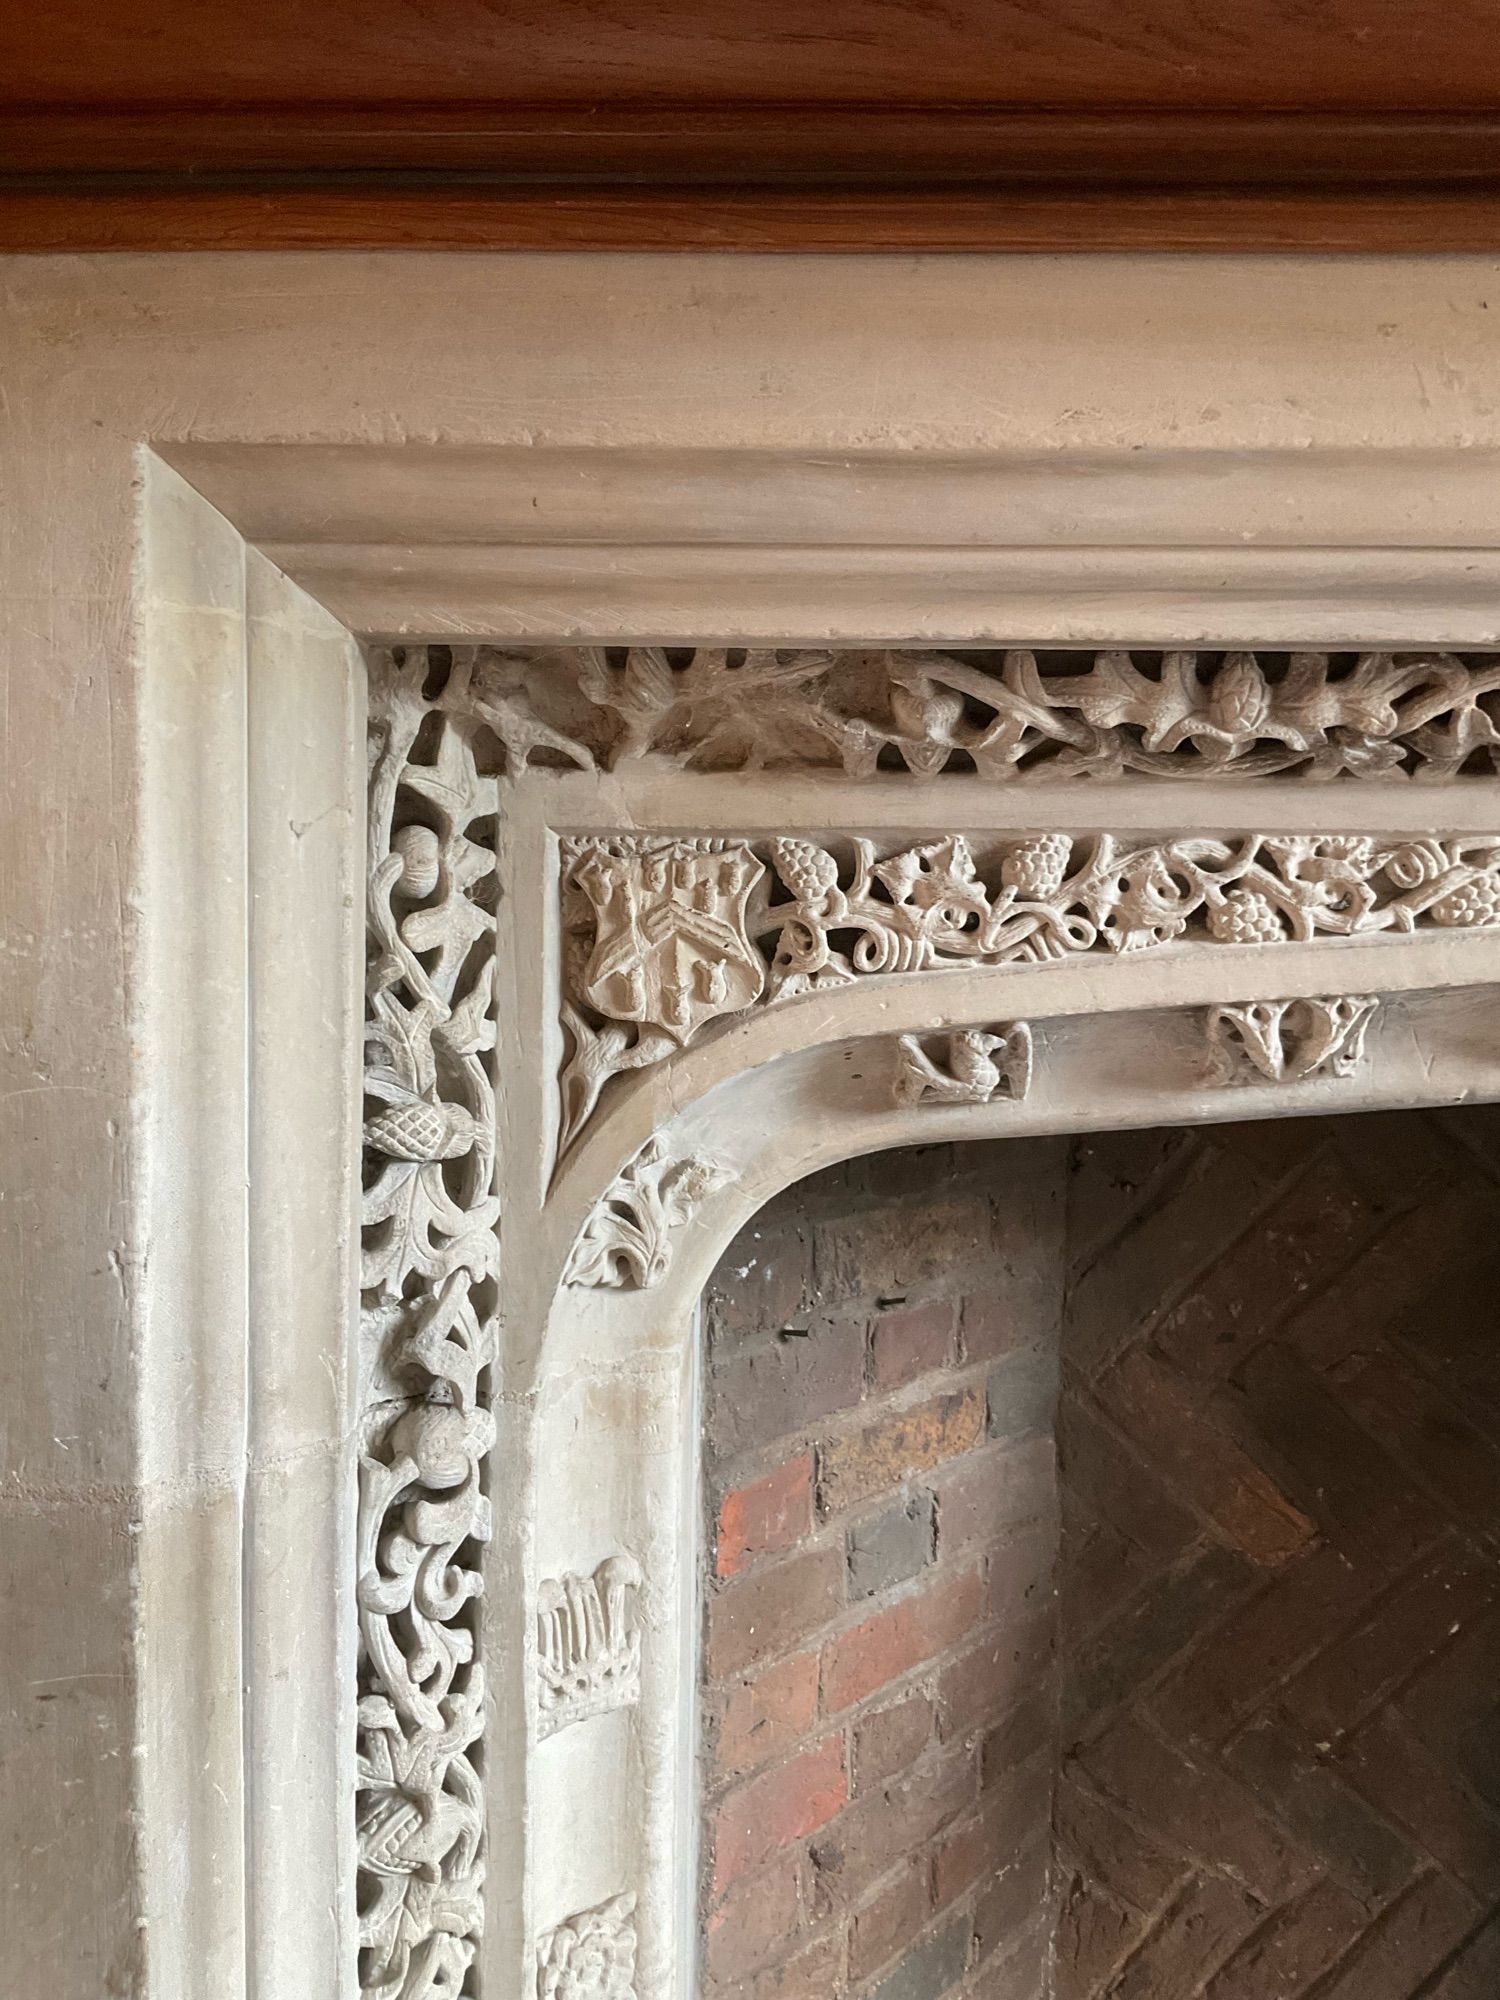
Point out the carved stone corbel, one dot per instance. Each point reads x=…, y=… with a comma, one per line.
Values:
x=1288, y=1041
x=975, y=1065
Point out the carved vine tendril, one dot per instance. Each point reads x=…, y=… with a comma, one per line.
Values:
x=428, y=1285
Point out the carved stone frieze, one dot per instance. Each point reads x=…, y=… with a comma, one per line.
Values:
x=588, y=1643
x=826, y=914
x=974, y=1066
x=591, y=1956
x=1286, y=1041
x=1000, y=714
x=429, y=1272
x=627, y=1240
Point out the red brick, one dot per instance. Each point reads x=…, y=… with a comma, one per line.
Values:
x=1315, y=1226
x=892, y=1252
x=1196, y=1808
x=758, y=1919
x=1094, y=1938
x=1012, y=1895
x=813, y=1974
x=986, y=1492
x=1405, y=1945
x=984, y=1681
x=887, y=1923
x=763, y=1282
x=767, y=1814
x=1171, y=1423
x=1020, y=1573
x=1351, y=1676
x=759, y=1721
x=879, y=1456
x=991, y=1324
x=1292, y=1948
x=764, y=1517
x=911, y=1342
x=769, y=1611
x=889, y=1739
x=883, y=1648
x=1117, y=1852
x=1198, y=1933
x=897, y=1819
x=785, y=1387
x=1353, y=1490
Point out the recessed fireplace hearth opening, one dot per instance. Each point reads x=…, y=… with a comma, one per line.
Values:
x=1101, y=1571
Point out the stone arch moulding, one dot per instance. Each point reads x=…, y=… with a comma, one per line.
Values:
x=1158, y=889
x=630, y=965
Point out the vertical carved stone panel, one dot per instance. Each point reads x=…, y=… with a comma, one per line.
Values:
x=429, y=1272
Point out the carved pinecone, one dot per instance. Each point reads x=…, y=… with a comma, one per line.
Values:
x=1246, y=917
x=1036, y=867
x=421, y=1132
x=1476, y=904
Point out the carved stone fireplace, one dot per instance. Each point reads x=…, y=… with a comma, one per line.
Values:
x=750, y=790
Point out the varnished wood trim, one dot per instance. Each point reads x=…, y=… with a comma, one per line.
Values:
x=827, y=221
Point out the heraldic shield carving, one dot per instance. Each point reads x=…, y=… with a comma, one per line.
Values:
x=671, y=945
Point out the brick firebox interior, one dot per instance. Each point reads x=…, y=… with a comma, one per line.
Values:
x=1207, y=1705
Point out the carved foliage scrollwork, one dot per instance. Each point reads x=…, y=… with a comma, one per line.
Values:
x=1001, y=714
x=428, y=1280
x=627, y=1239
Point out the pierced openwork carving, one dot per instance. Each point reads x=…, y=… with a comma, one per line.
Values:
x=627, y=1240
x=1003, y=715
x=826, y=914
x=591, y=1956
x=971, y=1067
x=588, y=1642
x=428, y=1277
x=1286, y=1041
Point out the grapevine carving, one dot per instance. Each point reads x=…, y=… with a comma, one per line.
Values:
x=828, y=914
x=1002, y=715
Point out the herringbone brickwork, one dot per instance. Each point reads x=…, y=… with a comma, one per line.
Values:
x=1280, y=1611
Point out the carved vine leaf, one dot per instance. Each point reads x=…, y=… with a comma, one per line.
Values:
x=429, y=1270
x=1005, y=715
x=627, y=1240
x=1287, y=1041
x=665, y=938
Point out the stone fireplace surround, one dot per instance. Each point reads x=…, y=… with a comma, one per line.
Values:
x=866, y=937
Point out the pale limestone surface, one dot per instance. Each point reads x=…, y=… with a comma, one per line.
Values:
x=1102, y=451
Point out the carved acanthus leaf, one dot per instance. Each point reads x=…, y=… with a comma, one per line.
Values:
x=973, y=1066
x=627, y=1240
x=1286, y=1041
x=588, y=1640
x=429, y=1270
